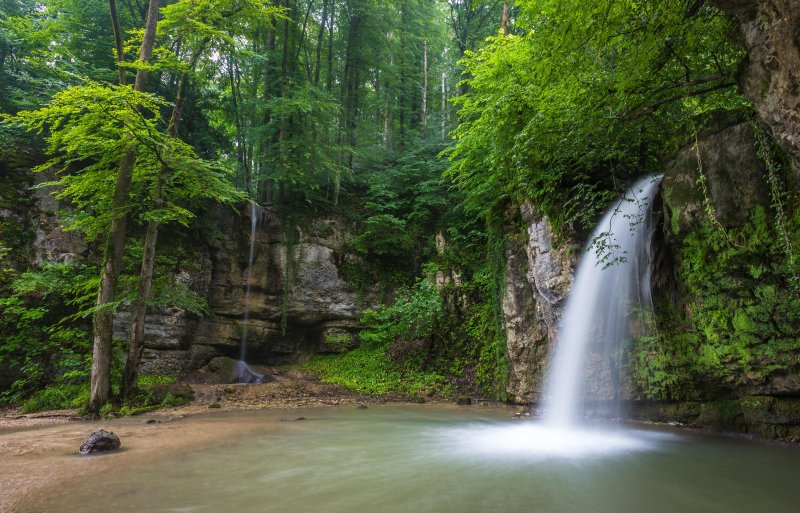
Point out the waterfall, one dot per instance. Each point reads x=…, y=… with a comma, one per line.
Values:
x=612, y=282
x=246, y=326
x=243, y=372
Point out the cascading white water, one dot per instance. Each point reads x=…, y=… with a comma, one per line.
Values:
x=244, y=374
x=246, y=326
x=611, y=283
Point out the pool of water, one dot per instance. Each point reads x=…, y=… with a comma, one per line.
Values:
x=425, y=459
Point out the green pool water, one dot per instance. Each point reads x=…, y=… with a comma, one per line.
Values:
x=427, y=459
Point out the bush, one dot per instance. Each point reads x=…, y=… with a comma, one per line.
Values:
x=62, y=396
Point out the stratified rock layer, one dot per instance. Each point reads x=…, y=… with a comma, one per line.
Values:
x=770, y=76
x=299, y=301
x=538, y=278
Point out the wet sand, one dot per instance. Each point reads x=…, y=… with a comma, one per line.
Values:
x=39, y=451
x=34, y=459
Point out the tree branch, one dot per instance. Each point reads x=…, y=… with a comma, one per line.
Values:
x=649, y=109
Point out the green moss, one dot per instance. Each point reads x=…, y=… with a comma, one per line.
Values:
x=338, y=341
x=740, y=322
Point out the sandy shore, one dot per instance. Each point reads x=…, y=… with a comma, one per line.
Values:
x=38, y=451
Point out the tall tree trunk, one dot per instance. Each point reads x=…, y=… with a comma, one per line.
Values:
x=329, y=78
x=136, y=345
x=320, y=40
x=444, y=105
x=241, y=154
x=112, y=7
x=505, y=19
x=283, y=121
x=302, y=43
x=425, y=84
x=112, y=257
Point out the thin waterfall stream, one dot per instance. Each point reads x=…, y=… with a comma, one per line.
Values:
x=244, y=374
x=248, y=284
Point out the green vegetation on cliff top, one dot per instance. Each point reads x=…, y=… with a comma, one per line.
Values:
x=342, y=107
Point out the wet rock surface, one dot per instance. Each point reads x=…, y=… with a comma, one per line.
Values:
x=770, y=75
x=298, y=272
x=537, y=281
x=100, y=441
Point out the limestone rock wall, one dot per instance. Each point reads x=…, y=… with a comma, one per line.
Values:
x=770, y=76
x=296, y=279
x=538, y=278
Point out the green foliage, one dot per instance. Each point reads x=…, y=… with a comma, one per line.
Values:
x=62, y=396
x=89, y=128
x=589, y=93
x=416, y=314
x=369, y=370
x=40, y=336
x=168, y=291
x=742, y=321
x=421, y=344
x=404, y=199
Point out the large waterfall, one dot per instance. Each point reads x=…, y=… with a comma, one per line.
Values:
x=611, y=284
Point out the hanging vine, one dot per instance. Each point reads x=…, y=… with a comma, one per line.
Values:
x=778, y=196
x=707, y=205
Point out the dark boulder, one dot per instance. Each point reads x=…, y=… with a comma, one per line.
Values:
x=100, y=440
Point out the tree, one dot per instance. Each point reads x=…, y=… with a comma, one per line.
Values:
x=583, y=99
x=112, y=258
x=201, y=28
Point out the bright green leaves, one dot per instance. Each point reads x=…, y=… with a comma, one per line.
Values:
x=191, y=26
x=591, y=94
x=88, y=130
x=384, y=234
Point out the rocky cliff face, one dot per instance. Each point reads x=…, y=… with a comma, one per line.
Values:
x=299, y=301
x=770, y=76
x=726, y=352
x=538, y=277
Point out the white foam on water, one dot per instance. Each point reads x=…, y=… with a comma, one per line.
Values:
x=534, y=441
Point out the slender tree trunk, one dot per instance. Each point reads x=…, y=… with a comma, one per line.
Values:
x=112, y=7
x=3, y=54
x=302, y=42
x=329, y=78
x=425, y=84
x=241, y=154
x=112, y=259
x=504, y=22
x=283, y=120
x=136, y=346
x=444, y=105
x=320, y=40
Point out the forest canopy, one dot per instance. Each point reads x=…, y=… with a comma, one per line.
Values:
x=423, y=123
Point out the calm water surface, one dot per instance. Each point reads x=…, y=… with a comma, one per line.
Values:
x=424, y=459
